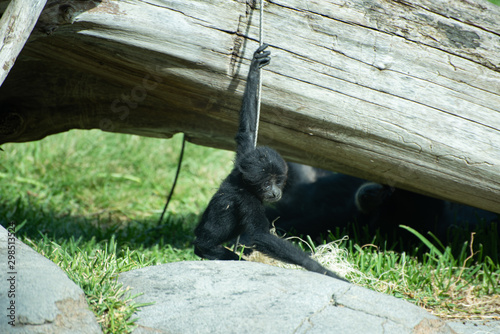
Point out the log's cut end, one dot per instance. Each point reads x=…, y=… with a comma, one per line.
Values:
x=403, y=95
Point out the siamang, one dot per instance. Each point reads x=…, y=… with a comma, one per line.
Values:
x=422, y=213
x=259, y=176
x=316, y=201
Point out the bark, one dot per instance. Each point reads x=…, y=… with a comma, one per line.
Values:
x=16, y=25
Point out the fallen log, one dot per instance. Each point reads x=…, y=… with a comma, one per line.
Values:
x=403, y=93
x=16, y=24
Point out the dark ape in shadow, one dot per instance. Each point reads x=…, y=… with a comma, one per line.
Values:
x=316, y=201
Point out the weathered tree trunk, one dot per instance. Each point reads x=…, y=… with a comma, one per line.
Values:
x=16, y=25
x=404, y=93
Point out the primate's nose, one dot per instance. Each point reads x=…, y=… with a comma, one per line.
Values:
x=276, y=195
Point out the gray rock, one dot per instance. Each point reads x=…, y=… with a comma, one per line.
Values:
x=38, y=296
x=248, y=297
x=475, y=327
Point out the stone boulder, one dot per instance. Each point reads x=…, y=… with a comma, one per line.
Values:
x=476, y=326
x=248, y=297
x=36, y=296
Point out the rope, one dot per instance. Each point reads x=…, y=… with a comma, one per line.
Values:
x=261, y=23
x=259, y=95
x=179, y=163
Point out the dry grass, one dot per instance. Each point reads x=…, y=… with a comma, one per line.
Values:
x=330, y=256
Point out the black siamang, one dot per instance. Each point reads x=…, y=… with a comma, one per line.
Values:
x=312, y=203
x=316, y=201
x=258, y=176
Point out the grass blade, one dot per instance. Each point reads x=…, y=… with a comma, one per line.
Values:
x=424, y=240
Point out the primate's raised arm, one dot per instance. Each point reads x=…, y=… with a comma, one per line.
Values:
x=248, y=113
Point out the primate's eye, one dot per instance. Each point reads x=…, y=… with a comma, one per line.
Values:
x=280, y=182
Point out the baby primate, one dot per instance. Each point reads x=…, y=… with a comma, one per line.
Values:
x=258, y=176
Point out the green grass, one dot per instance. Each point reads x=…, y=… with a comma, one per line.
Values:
x=90, y=201
x=458, y=287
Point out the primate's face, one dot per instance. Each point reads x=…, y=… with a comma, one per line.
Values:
x=265, y=172
x=271, y=189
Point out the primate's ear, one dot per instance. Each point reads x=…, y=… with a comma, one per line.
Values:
x=240, y=168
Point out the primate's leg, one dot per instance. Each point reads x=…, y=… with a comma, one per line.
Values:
x=214, y=252
x=211, y=233
x=208, y=244
x=283, y=250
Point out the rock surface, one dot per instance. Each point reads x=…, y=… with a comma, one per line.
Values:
x=248, y=297
x=475, y=327
x=37, y=296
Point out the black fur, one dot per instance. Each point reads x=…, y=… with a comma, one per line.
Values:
x=258, y=176
x=314, y=208
x=316, y=201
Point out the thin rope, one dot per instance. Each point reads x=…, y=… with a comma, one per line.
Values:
x=259, y=96
x=179, y=163
x=261, y=23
